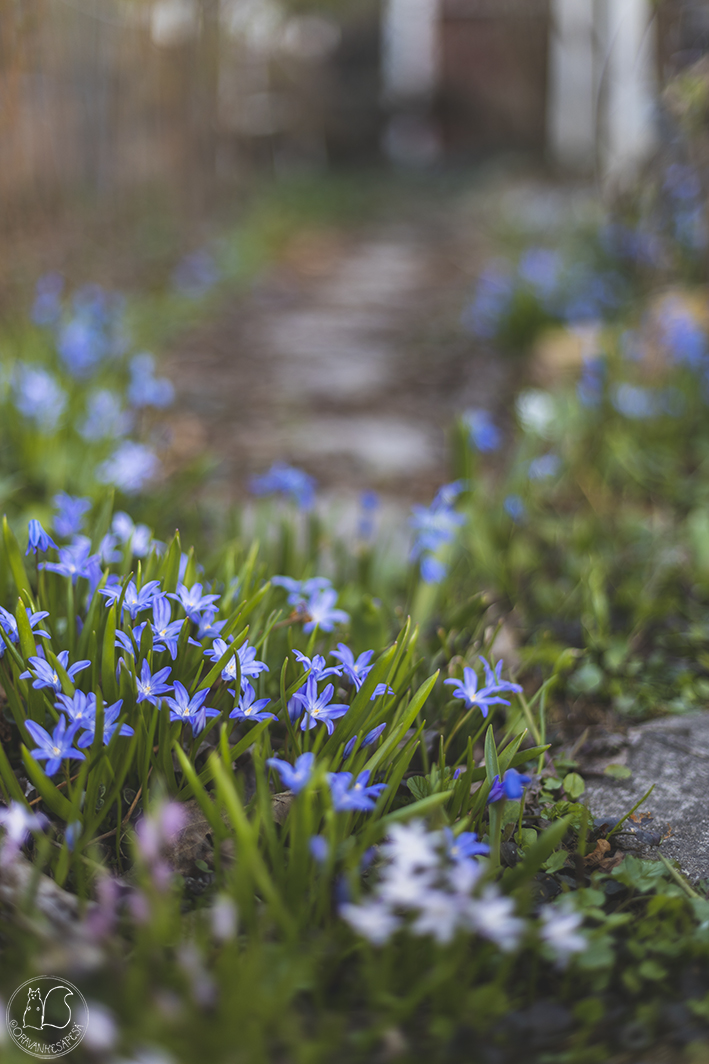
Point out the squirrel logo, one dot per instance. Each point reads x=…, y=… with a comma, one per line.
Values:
x=36, y=1008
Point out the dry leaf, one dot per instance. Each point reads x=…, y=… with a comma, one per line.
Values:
x=594, y=859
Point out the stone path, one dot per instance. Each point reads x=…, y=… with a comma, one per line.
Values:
x=672, y=754
x=348, y=359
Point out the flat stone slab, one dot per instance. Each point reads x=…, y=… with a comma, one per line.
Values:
x=672, y=753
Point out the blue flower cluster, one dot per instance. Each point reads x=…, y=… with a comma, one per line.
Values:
x=88, y=385
x=489, y=694
x=292, y=483
x=434, y=526
x=572, y=292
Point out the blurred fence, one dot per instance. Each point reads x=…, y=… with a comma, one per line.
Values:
x=105, y=95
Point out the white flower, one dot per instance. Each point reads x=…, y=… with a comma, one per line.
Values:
x=225, y=918
x=535, y=410
x=559, y=931
x=18, y=822
x=411, y=847
x=464, y=875
x=372, y=920
x=492, y=916
x=101, y=1027
x=403, y=887
x=439, y=916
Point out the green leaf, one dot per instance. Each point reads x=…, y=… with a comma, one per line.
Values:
x=52, y=798
x=574, y=785
x=10, y=779
x=14, y=557
x=536, y=855
x=108, y=657
x=555, y=862
x=27, y=643
x=419, y=786
x=617, y=772
x=492, y=767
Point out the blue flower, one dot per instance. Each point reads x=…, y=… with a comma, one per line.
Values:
x=635, y=402
x=511, y=786
x=249, y=667
x=38, y=396
x=39, y=540
x=493, y=678
x=491, y=302
x=369, y=739
x=186, y=709
x=467, y=689
x=436, y=524
x=129, y=468
x=69, y=518
x=318, y=707
x=514, y=507
x=46, y=676
x=145, y=389
x=299, y=591
x=192, y=600
x=546, y=465
x=294, y=777
x=356, y=671
x=81, y=344
x=590, y=386
x=208, y=627
x=110, y=723
x=433, y=570
x=484, y=433
x=9, y=626
x=353, y=797
x=248, y=709
x=76, y=561
x=134, y=601
x=317, y=665
x=151, y=687
x=682, y=182
x=322, y=613
x=369, y=503
x=464, y=846
x=79, y=708
x=105, y=417
x=286, y=480
x=139, y=536
x=319, y=848
x=539, y=268
x=165, y=631
x=55, y=747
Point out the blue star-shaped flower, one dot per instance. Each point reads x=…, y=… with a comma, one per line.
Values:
x=511, y=786
x=39, y=539
x=150, y=688
x=355, y=670
x=189, y=710
x=317, y=665
x=110, y=723
x=318, y=707
x=44, y=675
x=353, y=797
x=55, y=747
x=192, y=600
x=248, y=709
x=295, y=777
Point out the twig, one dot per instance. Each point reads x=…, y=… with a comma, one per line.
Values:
x=126, y=818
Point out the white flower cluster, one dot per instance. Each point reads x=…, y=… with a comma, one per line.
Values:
x=427, y=877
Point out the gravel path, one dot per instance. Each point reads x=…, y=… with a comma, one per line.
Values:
x=347, y=359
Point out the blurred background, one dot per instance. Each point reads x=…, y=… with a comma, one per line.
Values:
x=336, y=175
